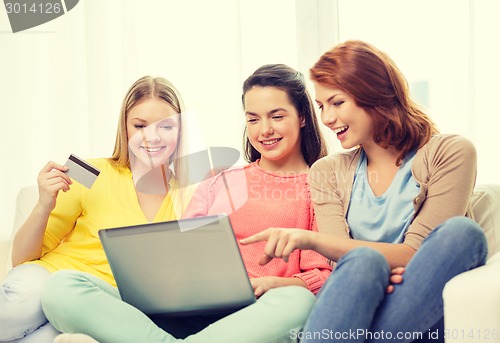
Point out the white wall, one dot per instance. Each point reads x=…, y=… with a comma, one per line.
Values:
x=485, y=78
x=62, y=83
x=448, y=45
x=43, y=102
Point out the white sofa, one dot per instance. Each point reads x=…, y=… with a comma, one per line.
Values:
x=471, y=300
x=25, y=201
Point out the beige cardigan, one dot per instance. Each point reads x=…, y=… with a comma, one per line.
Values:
x=445, y=169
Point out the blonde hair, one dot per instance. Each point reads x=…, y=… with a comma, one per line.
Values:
x=149, y=87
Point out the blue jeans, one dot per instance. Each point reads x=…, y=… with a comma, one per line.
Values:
x=353, y=305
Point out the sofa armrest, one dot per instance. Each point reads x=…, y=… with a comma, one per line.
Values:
x=472, y=305
x=25, y=201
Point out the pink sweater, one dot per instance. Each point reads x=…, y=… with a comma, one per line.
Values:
x=256, y=200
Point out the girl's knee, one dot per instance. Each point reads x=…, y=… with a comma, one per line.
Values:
x=462, y=226
x=293, y=301
x=287, y=294
x=20, y=308
x=58, y=284
x=462, y=230
x=363, y=267
x=301, y=298
x=365, y=260
x=59, y=289
x=26, y=279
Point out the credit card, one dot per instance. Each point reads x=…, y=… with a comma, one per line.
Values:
x=81, y=171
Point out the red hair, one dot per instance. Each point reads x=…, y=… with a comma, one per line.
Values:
x=378, y=86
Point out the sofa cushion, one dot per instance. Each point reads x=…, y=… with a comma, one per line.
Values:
x=26, y=200
x=485, y=204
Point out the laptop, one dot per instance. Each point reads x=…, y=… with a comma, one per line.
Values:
x=182, y=267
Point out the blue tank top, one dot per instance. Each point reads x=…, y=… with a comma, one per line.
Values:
x=383, y=218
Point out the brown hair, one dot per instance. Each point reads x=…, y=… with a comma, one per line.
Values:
x=292, y=82
x=378, y=86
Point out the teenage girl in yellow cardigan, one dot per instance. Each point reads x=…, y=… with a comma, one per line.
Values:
x=61, y=231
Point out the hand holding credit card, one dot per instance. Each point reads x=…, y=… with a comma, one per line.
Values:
x=81, y=171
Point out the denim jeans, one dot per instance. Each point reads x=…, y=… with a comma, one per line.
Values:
x=353, y=305
x=21, y=316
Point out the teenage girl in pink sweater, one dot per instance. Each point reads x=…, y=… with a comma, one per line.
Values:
x=392, y=209
x=282, y=140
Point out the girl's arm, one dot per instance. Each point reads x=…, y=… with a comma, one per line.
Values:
x=282, y=242
x=28, y=241
x=447, y=173
x=449, y=177
x=202, y=199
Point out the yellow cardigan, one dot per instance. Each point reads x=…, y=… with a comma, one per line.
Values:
x=71, y=239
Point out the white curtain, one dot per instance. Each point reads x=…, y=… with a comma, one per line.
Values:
x=447, y=50
x=62, y=83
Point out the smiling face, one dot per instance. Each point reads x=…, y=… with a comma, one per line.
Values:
x=273, y=128
x=152, y=132
x=339, y=112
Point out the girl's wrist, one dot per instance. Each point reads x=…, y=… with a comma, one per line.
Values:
x=41, y=209
x=313, y=240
